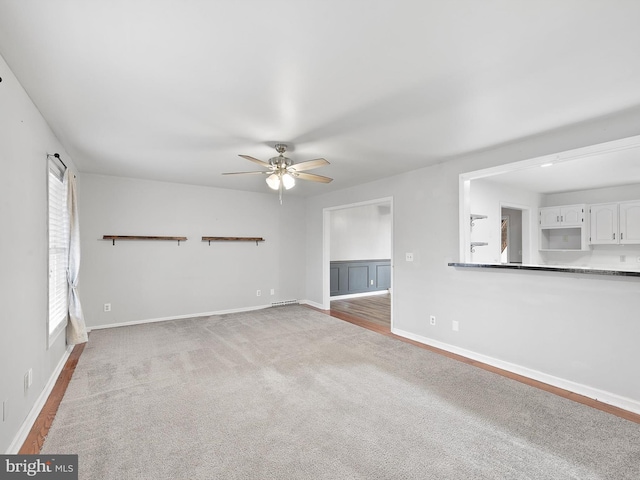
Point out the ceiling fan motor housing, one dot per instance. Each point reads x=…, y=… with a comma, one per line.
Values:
x=281, y=162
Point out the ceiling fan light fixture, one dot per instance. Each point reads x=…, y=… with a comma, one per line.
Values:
x=273, y=181
x=282, y=172
x=288, y=181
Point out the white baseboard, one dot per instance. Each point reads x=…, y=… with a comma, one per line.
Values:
x=358, y=295
x=26, y=426
x=590, y=392
x=177, y=317
x=313, y=304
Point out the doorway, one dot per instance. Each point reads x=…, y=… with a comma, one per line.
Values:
x=359, y=237
x=511, y=235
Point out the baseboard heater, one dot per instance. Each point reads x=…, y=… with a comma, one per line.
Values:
x=285, y=302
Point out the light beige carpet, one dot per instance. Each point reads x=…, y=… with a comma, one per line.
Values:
x=290, y=393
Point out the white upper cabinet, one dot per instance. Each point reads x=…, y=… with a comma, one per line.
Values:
x=550, y=216
x=615, y=223
x=572, y=215
x=565, y=215
x=604, y=224
x=563, y=228
x=629, y=222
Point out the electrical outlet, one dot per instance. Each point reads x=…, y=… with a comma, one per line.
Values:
x=273, y=291
x=432, y=319
x=107, y=307
x=455, y=326
x=258, y=293
x=408, y=257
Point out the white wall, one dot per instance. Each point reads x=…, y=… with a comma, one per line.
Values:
x=361, y=233
x=582, y=330
x=595, y=195
x=146, y=280
x=487, y=197
x=25, y=140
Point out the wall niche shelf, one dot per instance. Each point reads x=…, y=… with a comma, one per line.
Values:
x=113, y=238
x=233, y=239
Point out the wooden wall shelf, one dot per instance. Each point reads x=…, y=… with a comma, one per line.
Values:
x=141, y=237
x=233, y=239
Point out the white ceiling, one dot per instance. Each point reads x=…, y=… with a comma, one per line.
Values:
x=175, y=90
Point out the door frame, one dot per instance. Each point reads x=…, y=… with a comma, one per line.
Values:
x=505, y=217
x=326, y=247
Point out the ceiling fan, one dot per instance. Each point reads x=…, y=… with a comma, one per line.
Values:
x=282, y=172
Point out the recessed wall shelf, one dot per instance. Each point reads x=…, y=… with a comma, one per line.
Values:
x=113, y=238
x=233, y=239
x=477, y=244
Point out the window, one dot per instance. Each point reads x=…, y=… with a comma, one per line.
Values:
x=58, y=249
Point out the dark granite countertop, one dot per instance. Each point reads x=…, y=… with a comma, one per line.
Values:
x=549, y=268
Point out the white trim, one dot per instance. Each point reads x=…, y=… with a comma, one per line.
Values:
x=464, y=208
x=26, y=426
x=358, y=295
x=597, y=149
x=177, y=317
x=609, y=398
x=574, y=154
x=313, y=304
x=326, y=258
x=529, y=229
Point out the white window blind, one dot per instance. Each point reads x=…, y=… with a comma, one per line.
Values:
x=58, y=249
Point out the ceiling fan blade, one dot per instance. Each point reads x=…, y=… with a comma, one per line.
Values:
x=245, y=173
x=313, y=177
x=308, y=165
x=255, y=160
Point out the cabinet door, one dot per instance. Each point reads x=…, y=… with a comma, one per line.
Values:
x=604, y=224
x=550, y=216
x=572, y=215
x=630, y=222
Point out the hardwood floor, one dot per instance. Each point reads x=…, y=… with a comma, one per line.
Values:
x=40, y=428
x=373, y=308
